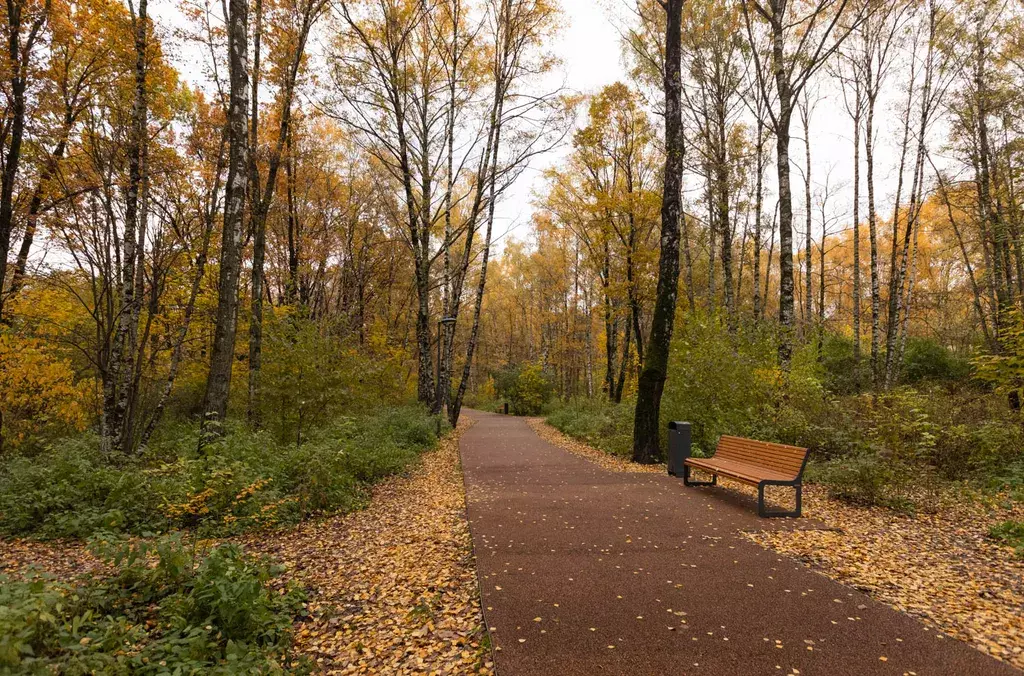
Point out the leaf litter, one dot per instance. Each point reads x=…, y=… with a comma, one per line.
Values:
x=941, y=568
x=393, y=587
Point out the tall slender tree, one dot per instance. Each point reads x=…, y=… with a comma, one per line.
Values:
x=800, y=43
x=647, y=417
x=222, y=358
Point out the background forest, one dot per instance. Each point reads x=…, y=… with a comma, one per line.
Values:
x=879, y=327
x=253, y=260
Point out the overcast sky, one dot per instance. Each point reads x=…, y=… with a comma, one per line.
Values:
x=590, y=48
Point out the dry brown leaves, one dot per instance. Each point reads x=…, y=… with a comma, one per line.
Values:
x=393, y=588
x=941, y=568
x=63, y=560
x=606, y=461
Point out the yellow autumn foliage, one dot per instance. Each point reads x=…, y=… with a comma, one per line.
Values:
x=37, y=391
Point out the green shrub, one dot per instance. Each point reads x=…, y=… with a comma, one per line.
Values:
x=310, y=376
x=1011, y=534
x=74, y=490
x=527, y=388
x=1003, y=369
x=719, y=381
x=842, y=373
x=867, y=479
x=598, y=422
x=187, y=612
x=1009, y=478
x=237, y=481
x=926, y=359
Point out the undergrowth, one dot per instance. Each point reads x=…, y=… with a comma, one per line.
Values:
x=166, y=607
x=240, y=480
x=904, y=448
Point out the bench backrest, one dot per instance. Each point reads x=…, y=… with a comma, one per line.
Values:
x=787, y=460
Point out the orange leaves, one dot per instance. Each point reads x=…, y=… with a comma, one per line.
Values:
x=393, y=586
x=919, y=565
x=37, y=390
x=196, y=507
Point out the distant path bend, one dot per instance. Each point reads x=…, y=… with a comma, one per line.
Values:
x=585, y=571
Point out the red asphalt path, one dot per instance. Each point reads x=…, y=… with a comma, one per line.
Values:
x=587, y=571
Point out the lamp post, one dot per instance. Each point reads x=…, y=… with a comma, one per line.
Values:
x=438, y=404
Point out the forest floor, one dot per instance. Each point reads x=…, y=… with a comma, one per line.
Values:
x=63, y=559
x=392, y=588
x=941, y=568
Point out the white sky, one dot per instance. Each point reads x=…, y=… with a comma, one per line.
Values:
x=589, y=47
x=591, y=51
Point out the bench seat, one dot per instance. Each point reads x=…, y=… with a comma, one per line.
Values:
x=756, y=463
x=739, y=471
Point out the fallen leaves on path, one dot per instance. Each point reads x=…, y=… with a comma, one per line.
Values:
x=941, y=568
x=393, y=588
x=606, y=461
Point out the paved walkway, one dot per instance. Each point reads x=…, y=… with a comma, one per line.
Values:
x=586, y=571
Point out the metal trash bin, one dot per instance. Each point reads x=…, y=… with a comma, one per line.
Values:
x=678, y=446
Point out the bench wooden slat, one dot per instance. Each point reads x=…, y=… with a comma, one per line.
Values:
x=758, y=463
x=767, y=457
x=778, y=457
x=750, y=474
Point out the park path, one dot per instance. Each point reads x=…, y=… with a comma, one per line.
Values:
x=587, y=571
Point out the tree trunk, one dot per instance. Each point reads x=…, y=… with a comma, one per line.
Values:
x=809, y=241
x=178, y=350
x=610, y=331
x=786, y=300
x=724, y=217
x=646, y=423
x=758, y=208
x=869, y=159
x=262, y=199
x=447, y=338
x=467, y=368
x=122, y=351
x=35, y=207
x=18, y=52
x=218, y=383
x=856, y=227
x=259, y=231
x=990, y=339
x=712, y=206
x=785, y=96
x=895, y=274
x=627, y=340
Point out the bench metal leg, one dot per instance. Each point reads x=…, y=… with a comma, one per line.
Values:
x=687, y=482
x=762, y=509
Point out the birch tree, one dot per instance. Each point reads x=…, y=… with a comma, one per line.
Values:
x=222, y=357
x=800, y=43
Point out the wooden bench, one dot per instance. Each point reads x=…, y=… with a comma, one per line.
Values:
x=756, y=463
